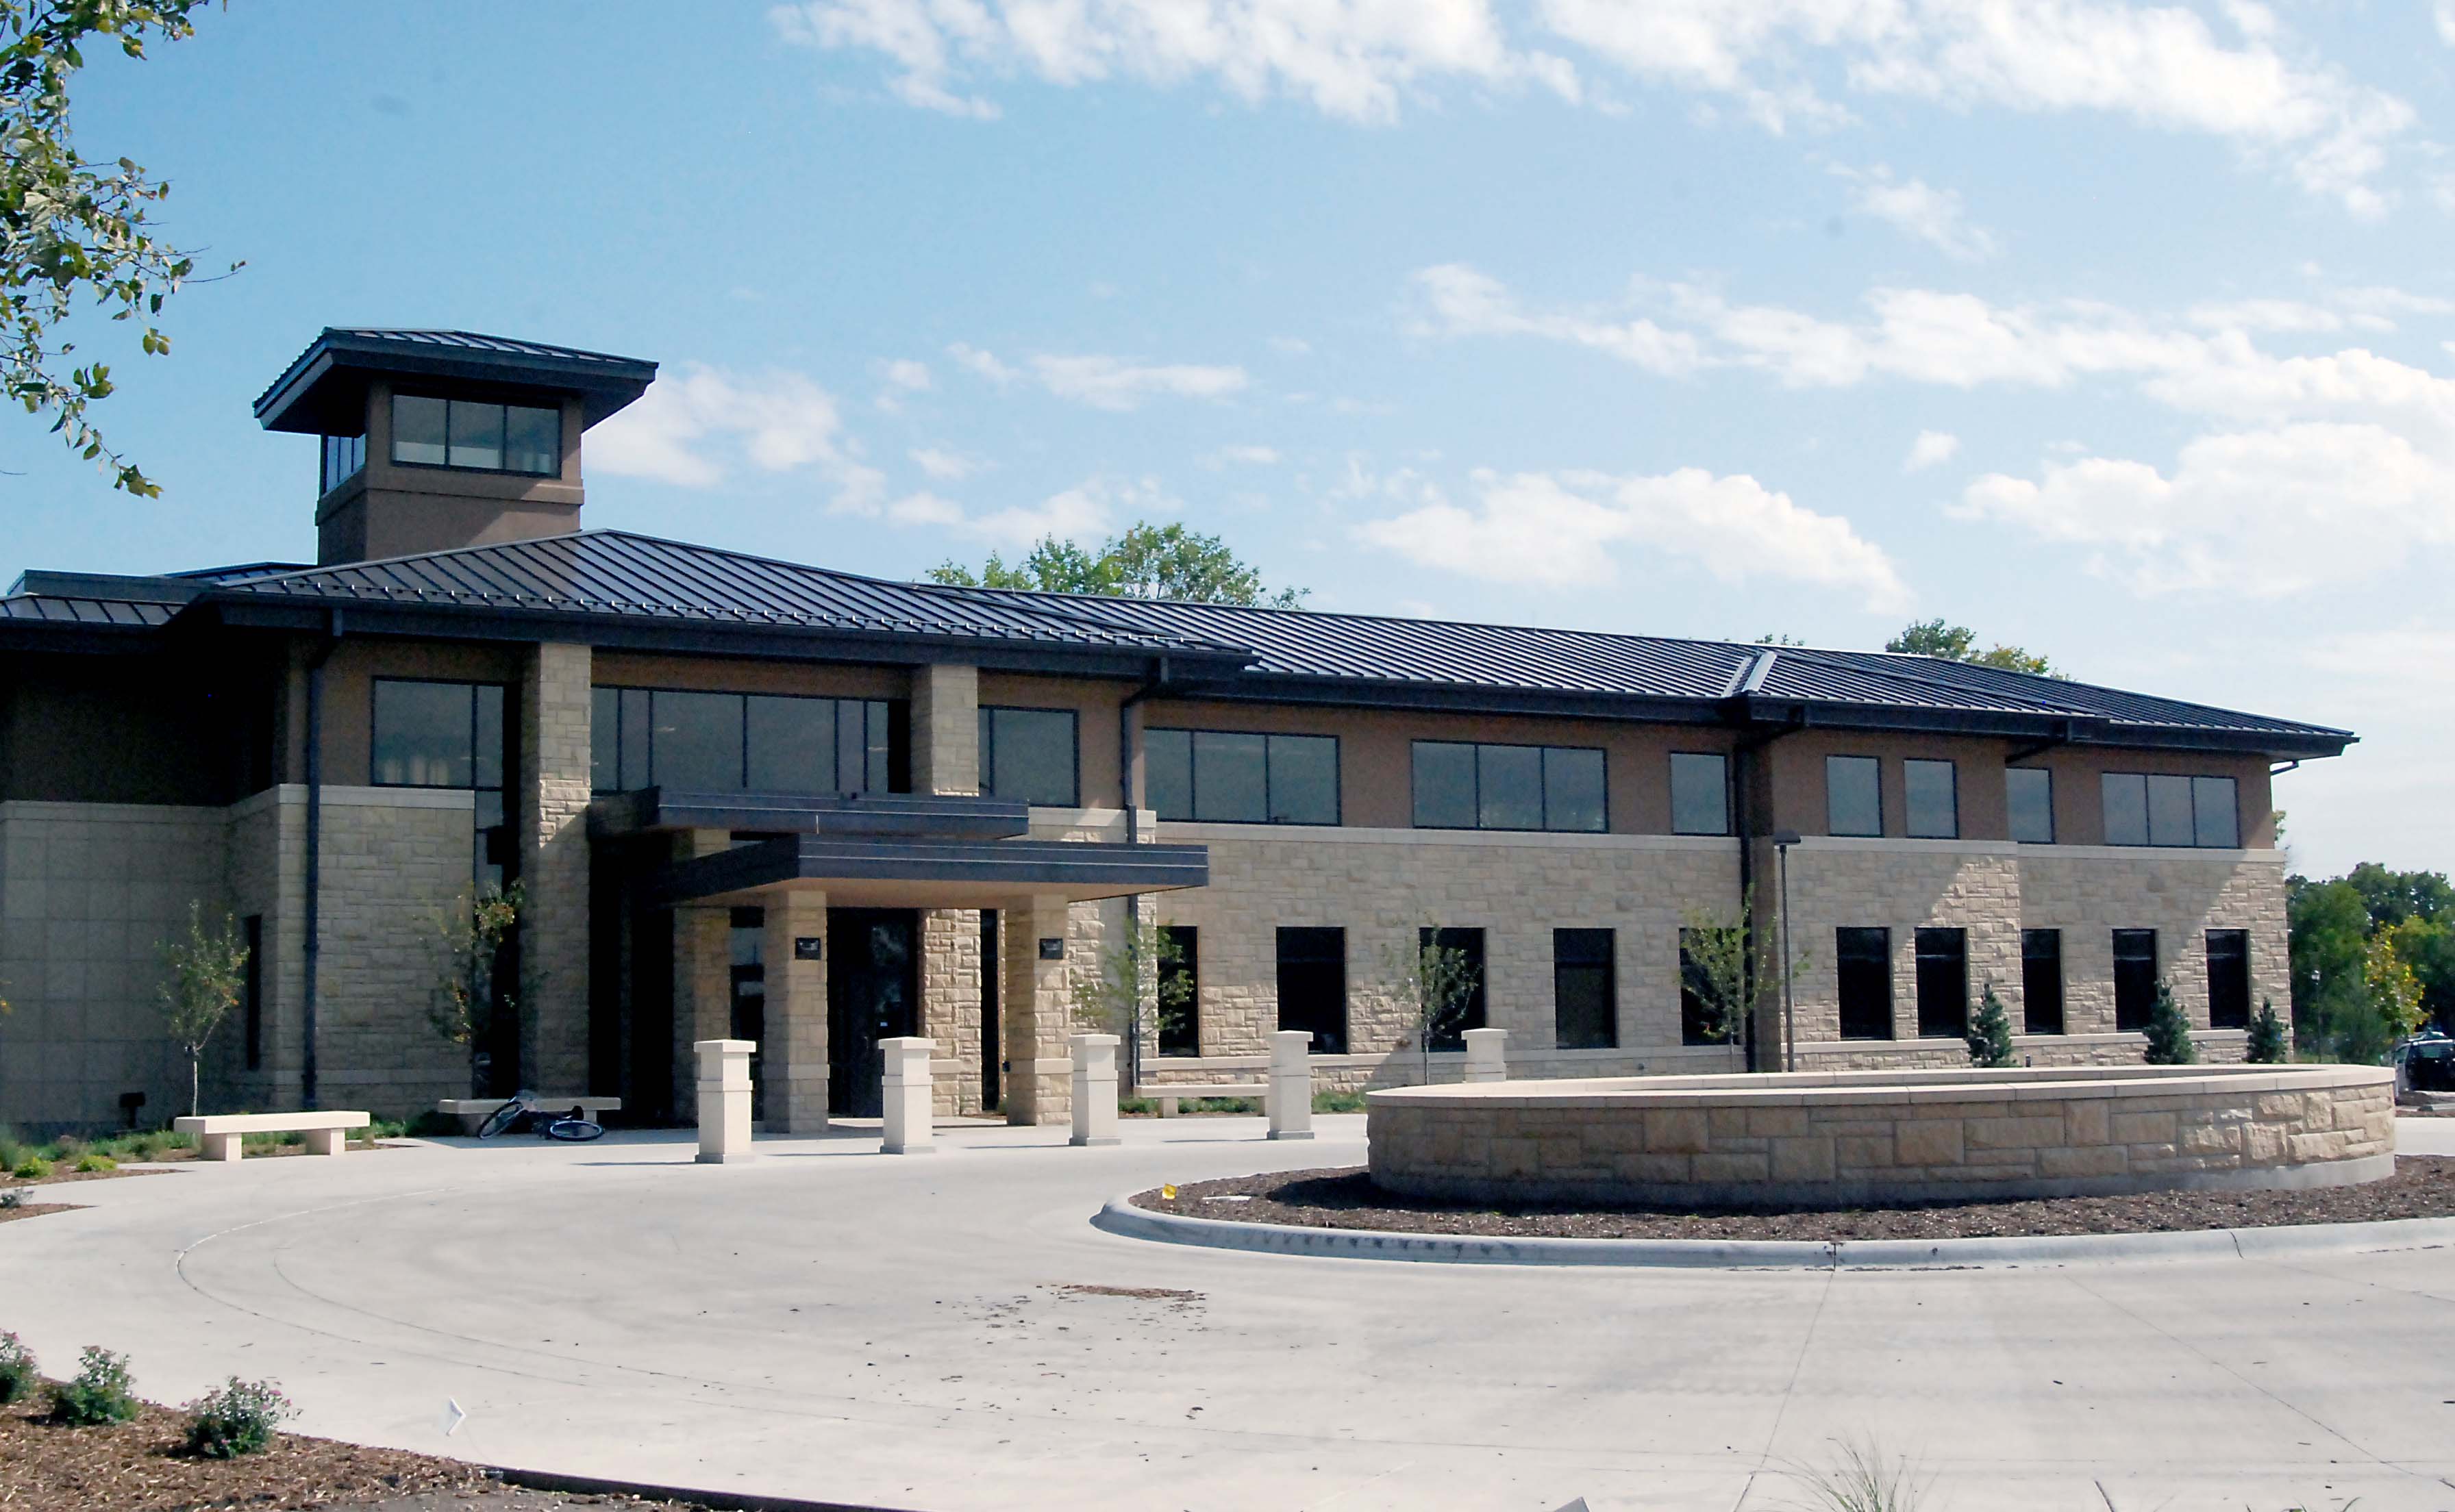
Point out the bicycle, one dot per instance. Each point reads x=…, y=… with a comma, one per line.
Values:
x=574, y=1127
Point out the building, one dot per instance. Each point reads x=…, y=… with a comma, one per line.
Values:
x=749, y=796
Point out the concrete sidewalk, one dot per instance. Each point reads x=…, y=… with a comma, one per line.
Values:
x=951, y=1334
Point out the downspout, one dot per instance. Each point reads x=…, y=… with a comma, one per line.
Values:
x=312, y=948
x=1151, y=685
x=1743, y=686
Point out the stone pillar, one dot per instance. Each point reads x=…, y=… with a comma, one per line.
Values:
x=950, y=1002
x=1095, y=1090
x=794, y=1064
x=702, y=966
x=1487, y=1055
x=552, y=808
x=945, y=729
x=725, y=1100
x=1289, y=1104
x=905, y=1082
x=1036, y=1015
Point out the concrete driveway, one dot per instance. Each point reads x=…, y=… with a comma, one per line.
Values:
x=949, y=1331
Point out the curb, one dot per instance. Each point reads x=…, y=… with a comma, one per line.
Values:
x=1122, y=1217
x=725, y=1500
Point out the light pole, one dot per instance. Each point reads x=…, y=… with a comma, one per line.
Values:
x=1782, y=841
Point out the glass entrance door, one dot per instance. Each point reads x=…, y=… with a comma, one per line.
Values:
x=873, y=993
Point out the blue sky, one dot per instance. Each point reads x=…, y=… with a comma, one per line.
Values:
x=2120, y=331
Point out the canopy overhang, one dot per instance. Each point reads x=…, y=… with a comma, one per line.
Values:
x=932, y=873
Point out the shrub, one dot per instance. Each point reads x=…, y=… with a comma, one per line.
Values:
x=33, y=1168
x=1990, y=1035
x=12, y=1196
x=2169, y=1033
x=90, y=1162
x=241, y=1418
x=2268, y=1044
x=101, y=1392
x=1338, y=1102
x=17, y=1373
x=432, y=1122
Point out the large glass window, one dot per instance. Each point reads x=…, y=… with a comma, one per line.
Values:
x=446, y=735
x=2029, y=796
x=2041, y=981
x=476, y=434
x=1700, y=794
x=1584, y=1003
x=344, y=457
x=1853, y=797
x=1468, y=943
x=1312, y=986
x=1030, y=755
x=1507, y=787
x=732, y=742
x=2228, y=978
x=1943, y=982
x=2162, y=809
x=1231, y=777
x=2135, y=978
x=1863, y=961
x=1932, y=801
x=1180, y=990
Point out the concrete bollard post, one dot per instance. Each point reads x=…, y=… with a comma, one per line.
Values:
x=1289, y=1105
x=906, y=1083
x=725, y=1100
x=1095, y=1090
x=1487, y=1055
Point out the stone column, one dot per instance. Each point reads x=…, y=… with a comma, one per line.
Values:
x=950, y=1002
x=1095, y=1089
x=795, y=1059
x=725, y=1100
x=945, y=729
x=1289, y=1104
x=702, y=962
x=1487, y=1055
x=552, y=806
x=1038, y=1016
x=906, y=1102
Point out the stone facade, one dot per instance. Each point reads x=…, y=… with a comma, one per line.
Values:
x=950, y=1006
x=551, y=809
x=1886, y=1138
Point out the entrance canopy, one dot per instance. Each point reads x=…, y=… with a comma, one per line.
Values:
x=932, y=873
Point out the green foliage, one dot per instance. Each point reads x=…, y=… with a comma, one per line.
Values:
x=2169, y=1033
x=31, y=1168
x=239, y=1417
x=1990, y=1034
x=1434, y=984
x=2268, y=1044
x=1933, y=637
x=1338, y=1102
x=1715, y=965
x=1861, y=1478
x=2373, y=959
x=432, y=1123
x=101, y=1393
x=1126, y=983
x=93, y=1162
x=208, y=971
x=1147, y=561
x=467, y=997
x=70, y=225
x=18, y=1373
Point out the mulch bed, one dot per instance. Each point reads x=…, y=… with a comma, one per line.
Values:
x=139, y=1466
x=2423, y=1186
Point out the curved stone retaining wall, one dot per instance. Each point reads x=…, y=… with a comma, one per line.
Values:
x=1887, y=1136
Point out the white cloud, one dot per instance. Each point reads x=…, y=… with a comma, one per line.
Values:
x=985, y=364
x=1913, y=208
x=1245, y=455
x=1560, y=530
x=2446, y=21
x=1455, y=300
x=946, y=467
x=1291, y=346
x=1931, y=449
x=904, y=373
x=690, y=428
x=1117, y=383
x=1084, y=513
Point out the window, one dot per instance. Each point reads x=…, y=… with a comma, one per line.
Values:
x=2041, y=981
x=1180, y=990
x=1934, y=800
x=1862, y=960
x=1584, y=1003
x=2029, y=795
x=345, y=457
x=1699, y=1019
x=1028, y=754
x=2228, y=978
x=1853, y=801
x=1943, y=983
x=446, y=735
x=1700, y=794
x=1223, y=777
x=475, y=434
x=2135, y=977
x=1507, y=787
x=251, y=990
x=1312, y=986
x=2161, y=809
x=1467, y=942
x=732, y=742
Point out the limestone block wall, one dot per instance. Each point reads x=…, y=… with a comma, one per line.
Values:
x=264, y=876
x=950, y=1006
x=2090, y=890
x=550, y=809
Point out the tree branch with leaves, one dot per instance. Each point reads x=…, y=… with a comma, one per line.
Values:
x=468, y=998
x=206, y=973
x=1147, y=561
x=1434, y=984
x=1718, y=968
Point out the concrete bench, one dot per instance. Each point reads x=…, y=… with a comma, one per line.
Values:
x=471, y=1111
x=218, y=1133
x=1169, y=1097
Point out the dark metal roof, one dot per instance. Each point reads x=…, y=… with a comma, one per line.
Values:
x=324, y=388
x=50, y=608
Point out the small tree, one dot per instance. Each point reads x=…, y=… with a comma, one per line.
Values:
x=1990, y=1035
x=1130, y=983
x=208, y=971
x=2169, y=1033
x=2267, y=1045
x=467, y=997
x=1434, y=984
x=1714, y=966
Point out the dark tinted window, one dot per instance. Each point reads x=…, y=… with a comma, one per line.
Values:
x=2228, y=978
x=2126, y=807
x=1933, y=800
x=1696, y=1011
x=1221, y=776
x=790, y=743
x=1231, y=777
x=251, y=991
x=1312, y=986
x=438, y=734
x=1028, y=754
x=1701, y=794
x=477, y=431
x=472, y=433
x=697, y=741
x=1469, y=944
x=1854, y=801
x=1444, y=785
x=1573, y=789
x=1585, y=1008
x=2169, y=810
x=531, y=439
x=731, y=742
x=2164, y=809
x=2216, y=817
x=1168, y=772
x=418, y=429
x=2041, y=981
x=2135, y=977
x=1304, y=780
x=1507, y=787
x=1180, y=990
x=2029, y=795
x=1863, y=963
x=1943, y=982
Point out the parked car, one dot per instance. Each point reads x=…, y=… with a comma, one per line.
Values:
x=2426, y=1062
